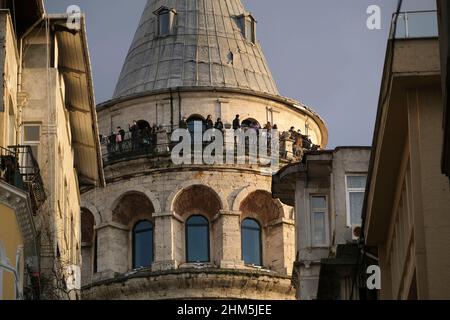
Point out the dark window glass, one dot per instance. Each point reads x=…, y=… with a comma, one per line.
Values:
x=142, y=244
x=193, y=120
x=197, y=239
x=251, y=242
x=248, y=28
x=164, y=23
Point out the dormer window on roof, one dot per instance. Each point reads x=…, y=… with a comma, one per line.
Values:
x=247, y=24
x=166, y=21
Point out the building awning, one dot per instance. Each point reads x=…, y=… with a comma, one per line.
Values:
x=74, y=63
x=24, y=14
x=315, y=164
x=284, y=182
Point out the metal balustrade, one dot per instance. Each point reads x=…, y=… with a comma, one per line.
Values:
x=417, y=24
x=19, y=168
x=158, y=144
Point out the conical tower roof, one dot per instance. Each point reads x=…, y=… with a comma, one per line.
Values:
x=205, y=48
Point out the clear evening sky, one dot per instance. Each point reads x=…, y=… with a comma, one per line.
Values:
x=320, y=53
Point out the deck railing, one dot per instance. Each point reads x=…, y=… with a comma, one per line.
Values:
x=157, y=143
x=19, y=168
x=416, y=24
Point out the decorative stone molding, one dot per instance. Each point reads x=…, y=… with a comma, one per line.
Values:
x=165, y=265
x=193, y=284
x=20, y=202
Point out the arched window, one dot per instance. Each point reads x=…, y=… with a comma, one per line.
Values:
x=250, y=123
x=142, y=244
x=142, y=124
x=192, y=120
x=197, y=239
x=251, y=242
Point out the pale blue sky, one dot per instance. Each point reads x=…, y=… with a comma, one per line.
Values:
x=320, y=53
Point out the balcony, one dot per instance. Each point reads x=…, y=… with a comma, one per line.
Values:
x=19, y=168
x=157, y=147
x=418, y=24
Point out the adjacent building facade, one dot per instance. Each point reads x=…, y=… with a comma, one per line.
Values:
x=165, y=231
x=327, y=190
x=407, y=204
x=444, y=31
x=48, y=122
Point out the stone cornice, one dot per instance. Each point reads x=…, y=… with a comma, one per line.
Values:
x=184, y=273
x=19, y=201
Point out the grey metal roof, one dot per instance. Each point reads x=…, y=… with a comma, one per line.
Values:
x=206, y=49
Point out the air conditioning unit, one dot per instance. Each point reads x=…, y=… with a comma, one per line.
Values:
x=356, y=232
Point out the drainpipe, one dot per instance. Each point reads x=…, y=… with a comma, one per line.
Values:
x=171, y=110
x=179, y=104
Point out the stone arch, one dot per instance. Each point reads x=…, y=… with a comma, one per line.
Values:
x=132, y=206
x=259, y=204
x=150, y=195
x=278, y=249
x=186, y=185
x=93, y=210
x=197, y=199
x=195, y=117
x=142, y=124
x=246, y=122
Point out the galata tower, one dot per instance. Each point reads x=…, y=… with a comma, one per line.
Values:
x=193, y=231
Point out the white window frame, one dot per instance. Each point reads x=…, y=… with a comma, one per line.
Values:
x=33, y=143
x=327, y=225
x=350, y=190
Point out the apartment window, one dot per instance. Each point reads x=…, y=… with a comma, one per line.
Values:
x=247, y=24
x=32, y=137
x=355, y=186
x=166, y=19
x=319, y=221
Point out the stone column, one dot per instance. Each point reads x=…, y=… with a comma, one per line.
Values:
x=280, y=246
x=168, y=241
x=228, y=240
x=162, y=141
x=113, y=250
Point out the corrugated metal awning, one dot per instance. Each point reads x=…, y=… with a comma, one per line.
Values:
x=74, y=64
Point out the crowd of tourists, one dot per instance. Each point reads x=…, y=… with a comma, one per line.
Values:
x=142, y=135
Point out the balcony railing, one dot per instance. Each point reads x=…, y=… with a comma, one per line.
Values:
x=418, y=24
x=158, y=145
x=19, y=168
